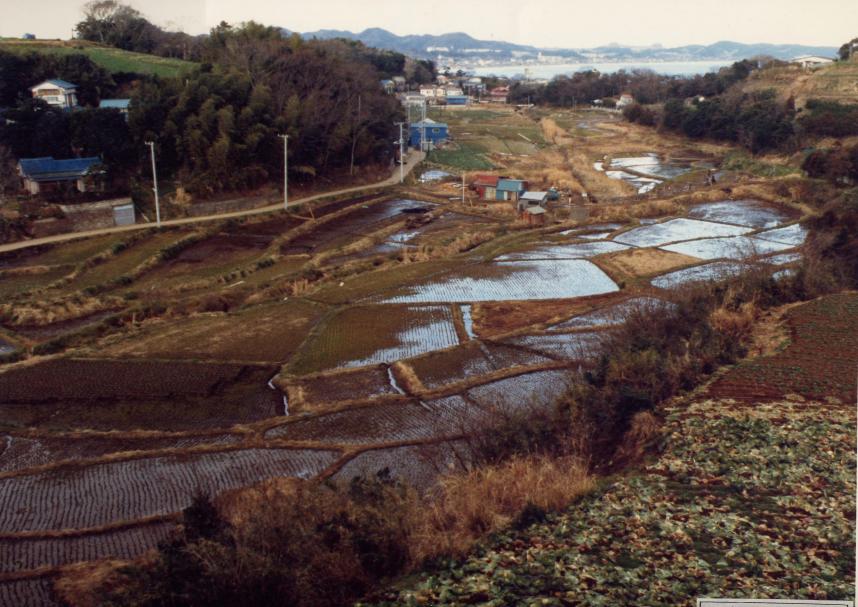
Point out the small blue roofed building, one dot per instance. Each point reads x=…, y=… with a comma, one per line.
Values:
x=49, y=174
x=115, y=104
x=457, y=100
x=510, y=189
x=430, y=132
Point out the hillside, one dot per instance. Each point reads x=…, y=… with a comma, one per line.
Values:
x=112, y=59
x=741, y=502
x=837, y=82
x=462, y=46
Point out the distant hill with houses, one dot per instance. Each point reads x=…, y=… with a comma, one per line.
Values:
x=461, y=46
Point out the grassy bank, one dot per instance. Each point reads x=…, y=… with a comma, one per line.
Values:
x=114, y=60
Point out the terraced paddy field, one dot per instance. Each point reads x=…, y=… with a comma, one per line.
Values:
x=373, y=333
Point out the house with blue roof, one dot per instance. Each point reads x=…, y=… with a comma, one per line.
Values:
x=116, y=104
x=432, y=133
x=47, y=173
x=510, y=189
x=56, y=93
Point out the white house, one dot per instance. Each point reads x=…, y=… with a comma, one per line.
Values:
x=57, y=93
x=625, y=100
x=811, y=61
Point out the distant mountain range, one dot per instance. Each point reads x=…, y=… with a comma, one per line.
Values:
x=461, y=48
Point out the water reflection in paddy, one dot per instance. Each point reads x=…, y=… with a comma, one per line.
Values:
x=511, y=280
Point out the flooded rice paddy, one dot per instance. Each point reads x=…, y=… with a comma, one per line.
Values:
x=367, y=335
x=357, y=223
x=750, y=213
x=729, y=247
x=793, y=235
x=611, y=315
x=675, y=230
x=434, y=175
x=718, y=270
x=566, y=251
x=643, y=172
x=511, y=280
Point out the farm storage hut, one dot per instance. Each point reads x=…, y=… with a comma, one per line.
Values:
x=532, y=199
x=486, y=186
x=534, y=216
x=46, y=173
x=435, y=133
x=510, y=189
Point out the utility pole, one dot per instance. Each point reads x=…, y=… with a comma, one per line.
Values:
x=285, y=171
x=463, y=188
x=151, y=145
x=401, y=153
x=423, y=129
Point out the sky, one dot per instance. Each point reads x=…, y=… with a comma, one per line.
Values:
x=543, y=23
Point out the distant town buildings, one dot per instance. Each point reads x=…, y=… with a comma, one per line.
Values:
x=499, y=94
x=56, y=93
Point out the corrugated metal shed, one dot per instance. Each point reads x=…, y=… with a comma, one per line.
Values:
x=119, y=104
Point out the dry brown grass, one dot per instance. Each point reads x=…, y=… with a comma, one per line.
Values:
x=485, y=500
x=82, y=584
x=41, y=312
x=644, y=262
x=642, y=433
x=736, y=324
x=647, y=208
x=492, y=319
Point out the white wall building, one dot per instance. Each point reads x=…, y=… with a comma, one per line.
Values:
x=57, y=93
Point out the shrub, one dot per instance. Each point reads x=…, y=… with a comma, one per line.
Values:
x=311, y=545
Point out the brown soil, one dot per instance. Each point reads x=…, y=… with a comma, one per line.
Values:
x=818, y=364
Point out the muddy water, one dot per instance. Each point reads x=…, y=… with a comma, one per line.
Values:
x=359, y=222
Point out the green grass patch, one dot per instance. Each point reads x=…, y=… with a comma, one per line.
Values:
x=741, y=161
x=467, y=158
x=112, y=59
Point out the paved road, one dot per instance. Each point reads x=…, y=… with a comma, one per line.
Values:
x=413, y=159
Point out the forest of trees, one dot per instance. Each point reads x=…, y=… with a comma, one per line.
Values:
x=646, y=86
x=217, y=128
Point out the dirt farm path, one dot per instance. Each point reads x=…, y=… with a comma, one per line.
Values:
x=414, y=158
